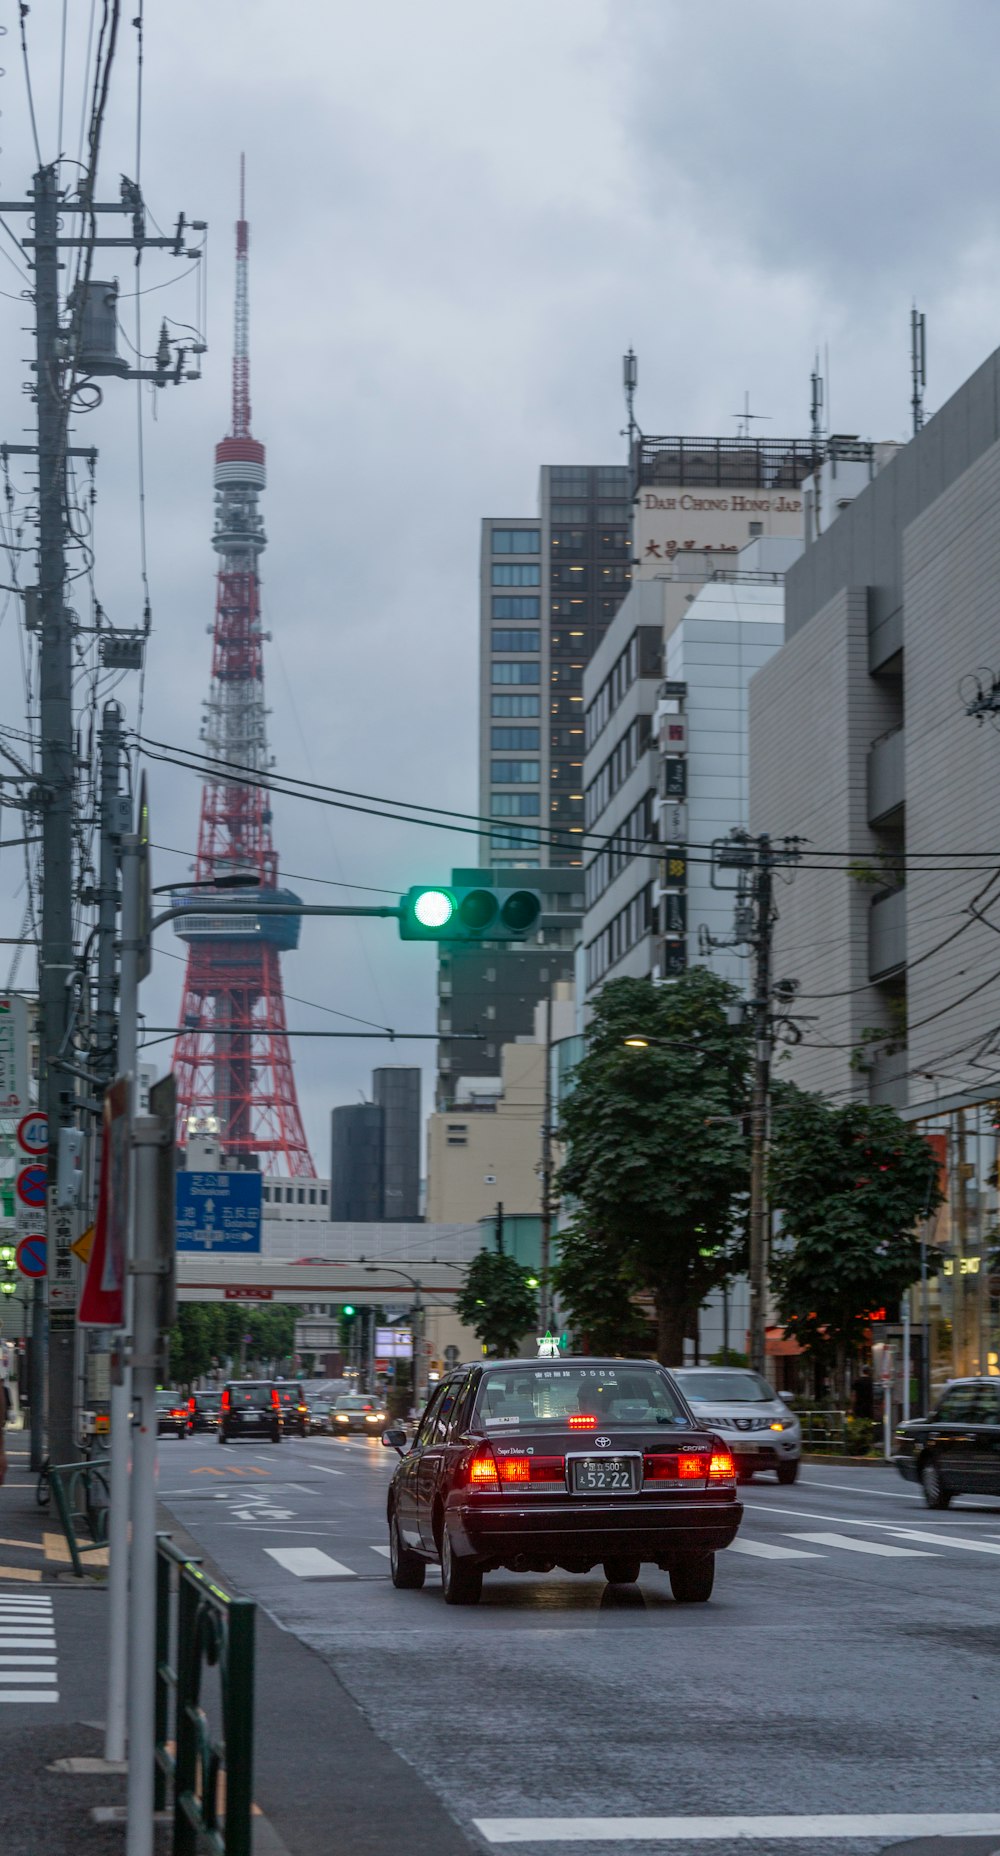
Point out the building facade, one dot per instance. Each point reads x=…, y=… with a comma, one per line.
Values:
x=550, y=585
x=396, y=1091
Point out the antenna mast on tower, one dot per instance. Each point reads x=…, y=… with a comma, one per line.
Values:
x=918, y=365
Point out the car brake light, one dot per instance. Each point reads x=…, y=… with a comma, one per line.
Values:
x=722, y=1468
x=515, y=1468
x=582, y=1421
x=226, y=1399
x=531, y=1468
x=275, y=1400
x=191, y=1404
x=668, y=1466
x=483, y=1471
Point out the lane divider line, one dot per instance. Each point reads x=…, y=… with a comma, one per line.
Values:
x=722, y=1829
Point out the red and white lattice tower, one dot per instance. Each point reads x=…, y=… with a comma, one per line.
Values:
x=232, y=1060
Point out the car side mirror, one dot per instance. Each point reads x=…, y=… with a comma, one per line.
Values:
x=395, y=1439
x=787, y=1398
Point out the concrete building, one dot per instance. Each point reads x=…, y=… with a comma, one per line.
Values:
x=375, y=1151
x=860, y=742
x=485, y=1148
x=492, y=989
x=550, y=584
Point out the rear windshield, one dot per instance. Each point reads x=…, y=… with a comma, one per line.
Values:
x=290, y=1395
x=168, y=1401
x=257, y=1396
x=728, y=1388
x=206, y=1400
x=624, y=1395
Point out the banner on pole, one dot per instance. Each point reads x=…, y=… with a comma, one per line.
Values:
x=102, y=1303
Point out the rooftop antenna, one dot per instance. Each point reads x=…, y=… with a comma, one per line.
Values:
x=743, y=418
x=918, y=365
x=816, y=404
x=630, y=380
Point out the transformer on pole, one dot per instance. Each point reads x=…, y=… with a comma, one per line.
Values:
x=232, y=1058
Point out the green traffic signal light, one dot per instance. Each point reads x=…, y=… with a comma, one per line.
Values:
x=468, y=914
x=349, y=1309
x=433, y=908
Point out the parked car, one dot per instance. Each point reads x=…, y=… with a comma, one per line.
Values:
x=531, y=1464
x=956, y=1450
x=171, y=1415
x=740, y=1406
x=356, y=1411
x=294, y=1410
x=250, y=1408
x=203, y=1411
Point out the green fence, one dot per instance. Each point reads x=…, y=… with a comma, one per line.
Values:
x=82, y=1496
x=825, y=1431
x=209, y=1769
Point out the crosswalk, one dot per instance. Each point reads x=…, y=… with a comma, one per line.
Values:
x=28, y=1668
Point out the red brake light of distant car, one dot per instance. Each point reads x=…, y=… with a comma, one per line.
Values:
x=275, y=1400
x=582, y=1421
x=191, y=1404
x=227, y=1399
x=483, y=1471
x=722, y=1468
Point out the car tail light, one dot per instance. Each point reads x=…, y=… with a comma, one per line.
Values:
x=582, y=1421
x=226, y=1399
x=191, y=1405
x=722, y=1468
x=515, y=1468
x=275, y=1400
x=483, y=1470
x=673, y=1467
x=531, y=1468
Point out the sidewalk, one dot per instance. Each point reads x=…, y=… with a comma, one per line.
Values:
x=56, y=1794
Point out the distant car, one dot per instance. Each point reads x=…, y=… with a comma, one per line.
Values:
x=171, y=1415
x=294, y=1410
x=250, y=1408
x=956, y=1450
x=317, y=1414
x=203, y=1411
x=743, y=1408
x=355, y=1411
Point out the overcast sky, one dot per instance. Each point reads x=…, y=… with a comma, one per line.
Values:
x=461, y=215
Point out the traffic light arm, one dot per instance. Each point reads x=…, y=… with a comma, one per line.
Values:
x=394, y=911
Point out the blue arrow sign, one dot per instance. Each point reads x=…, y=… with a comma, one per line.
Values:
x=219, y=1213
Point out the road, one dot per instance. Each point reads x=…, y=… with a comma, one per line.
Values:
x=844, y=1672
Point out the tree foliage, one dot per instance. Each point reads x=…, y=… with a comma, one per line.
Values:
x=851, y=1184
x=657, y=1163
x=594, y=1284
x=496, y=1303
x=210, y=1335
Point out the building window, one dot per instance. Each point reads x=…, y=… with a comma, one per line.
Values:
x=515, y=863
x=516, y=540
x=312, y=1195
x=570, y=512
x=515, y=705
x=302, y=1195
x=516, y=573
x=569, y=480
x=515, y=805
x=504, y=672
x=522, y=640
x=457, y=1134
x=514, y=773
x=323, y=1196
x=513, y=839
x=515, y=738
x=267, y=1195
x=516, y=606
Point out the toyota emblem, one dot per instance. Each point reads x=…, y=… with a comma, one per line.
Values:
x=603, y=1442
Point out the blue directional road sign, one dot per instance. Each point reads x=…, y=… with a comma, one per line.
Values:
x=219, y=1213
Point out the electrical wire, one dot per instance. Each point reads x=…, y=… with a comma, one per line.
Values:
x=290, y=876
x=62, y=80
x=23, y=11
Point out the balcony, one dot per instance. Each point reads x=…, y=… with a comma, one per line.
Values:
x=887, y=935
x=886, y=774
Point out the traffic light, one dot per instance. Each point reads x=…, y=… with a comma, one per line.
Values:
x=348, y=1310
x=464, y=913
x=8, y=1269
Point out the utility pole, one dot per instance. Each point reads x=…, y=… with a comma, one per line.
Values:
x=760, y=1102
x=499, y=1228
x=545, y=1297
x=918, y=365
x=55, y=958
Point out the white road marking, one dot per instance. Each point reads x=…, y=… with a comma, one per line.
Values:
x=8, y=1662
x=945, y=1540
x=721, y=1829
x=383, y=1550
x=326, y=1470
x=877, y=1547
x=845, y=1488
x=21, y=1695
x=26, y=1627
x=29, y=1675
x=309, y=1563
x=761, y=1550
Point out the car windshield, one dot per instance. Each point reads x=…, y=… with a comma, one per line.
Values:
x=353, y=1403
x=622, y=1394
x=257, y=1396
x=725, y=1388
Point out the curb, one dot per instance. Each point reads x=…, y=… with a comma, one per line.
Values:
x=853, y=1462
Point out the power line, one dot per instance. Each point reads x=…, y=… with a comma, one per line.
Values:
x=23, y=11
x=292, y=876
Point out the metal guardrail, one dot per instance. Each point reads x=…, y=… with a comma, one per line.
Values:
x=198, y=1627
x=83, y=1494
x=824, y=1430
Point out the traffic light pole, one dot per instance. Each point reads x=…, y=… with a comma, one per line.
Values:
x=760, y=1106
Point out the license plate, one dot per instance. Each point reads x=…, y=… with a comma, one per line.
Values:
x=605, y=1475
x=251, y=1417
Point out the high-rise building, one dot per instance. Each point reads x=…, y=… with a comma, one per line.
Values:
x=550, y=585
x=492, y=990
x=375, y=1152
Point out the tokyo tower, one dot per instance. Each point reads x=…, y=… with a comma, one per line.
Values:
x=232, y=1060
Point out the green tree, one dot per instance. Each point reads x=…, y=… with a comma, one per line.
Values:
x=657, y=1162
x=497, y=1303
x=851, y=1184
x=594, y=1286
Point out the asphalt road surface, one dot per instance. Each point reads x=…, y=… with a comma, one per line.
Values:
x=838, y=1694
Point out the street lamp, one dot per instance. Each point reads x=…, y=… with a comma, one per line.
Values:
x=376, y=1269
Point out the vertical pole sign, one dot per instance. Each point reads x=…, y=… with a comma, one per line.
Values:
x=102, y=1303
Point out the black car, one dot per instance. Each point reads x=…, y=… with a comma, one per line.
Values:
x=956, y=1450
x=171, y=1415
x=294, y=1410
x=203, y=1411
x=250, y=1408
x=533, y=1464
